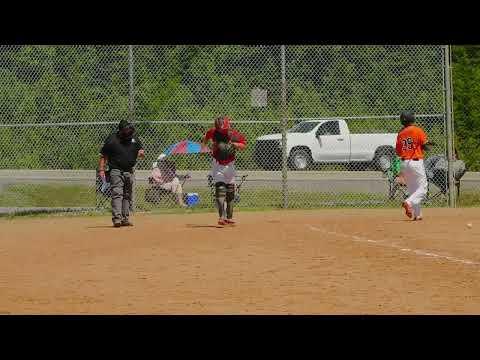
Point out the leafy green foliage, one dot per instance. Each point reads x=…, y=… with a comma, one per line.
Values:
x=77, y=84
x=466, y=101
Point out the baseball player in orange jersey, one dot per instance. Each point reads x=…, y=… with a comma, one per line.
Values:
x=411, y=143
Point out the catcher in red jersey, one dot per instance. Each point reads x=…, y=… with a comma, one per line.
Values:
x=226, y=141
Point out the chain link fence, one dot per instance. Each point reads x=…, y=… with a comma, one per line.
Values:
x=339, y=118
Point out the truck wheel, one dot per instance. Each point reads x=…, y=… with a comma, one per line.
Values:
x=300, y=159
x=383, y=159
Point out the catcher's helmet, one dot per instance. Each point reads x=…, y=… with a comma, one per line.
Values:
x=407, y=117
x=222, y=123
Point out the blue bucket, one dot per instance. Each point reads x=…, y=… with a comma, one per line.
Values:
x=192, y=199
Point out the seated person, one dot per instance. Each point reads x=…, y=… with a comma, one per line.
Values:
x=164, y=177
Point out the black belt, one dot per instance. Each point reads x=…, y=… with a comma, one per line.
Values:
x=128, y=170
x=403, y=159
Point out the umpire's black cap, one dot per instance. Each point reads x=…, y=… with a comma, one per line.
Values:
x=407, y=117
x=124, y=124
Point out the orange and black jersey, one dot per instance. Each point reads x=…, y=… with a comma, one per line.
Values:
x=410, y=141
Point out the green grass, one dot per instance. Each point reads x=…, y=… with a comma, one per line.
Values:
x=47, y=196
x=264, y=199
x=251, y=199
x=267, y=199
x=468, y=199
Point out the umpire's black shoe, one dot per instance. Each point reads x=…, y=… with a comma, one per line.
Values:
x=117, y=224
x=126, y=223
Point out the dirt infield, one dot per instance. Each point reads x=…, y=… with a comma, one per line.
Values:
x=283, y=262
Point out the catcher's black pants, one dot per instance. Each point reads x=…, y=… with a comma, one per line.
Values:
x=122, y=184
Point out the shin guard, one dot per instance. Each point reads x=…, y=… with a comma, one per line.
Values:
x=230, y=198
x=220, y=195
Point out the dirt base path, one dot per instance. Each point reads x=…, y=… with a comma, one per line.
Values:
x=284, y=262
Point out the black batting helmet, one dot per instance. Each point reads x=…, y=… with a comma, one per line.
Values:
x=407, y=117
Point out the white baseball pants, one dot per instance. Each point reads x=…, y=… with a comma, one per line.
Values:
x=416, y=180
x=223, y=173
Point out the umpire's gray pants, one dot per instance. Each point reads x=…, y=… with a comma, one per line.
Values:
x=122, y=184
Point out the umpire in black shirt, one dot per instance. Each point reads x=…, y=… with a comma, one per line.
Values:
x=120, y=151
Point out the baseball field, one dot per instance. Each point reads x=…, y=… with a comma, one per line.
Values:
x=339, y=261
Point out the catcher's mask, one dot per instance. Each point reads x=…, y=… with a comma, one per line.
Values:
x=222, y=124
x=126, y=130
x=407, y=117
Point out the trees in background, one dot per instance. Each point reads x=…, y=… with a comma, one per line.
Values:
x=76, y=84
x=466, y=103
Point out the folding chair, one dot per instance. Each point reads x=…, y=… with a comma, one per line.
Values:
x=396, y=186
x=437, y=176
x=440, y=181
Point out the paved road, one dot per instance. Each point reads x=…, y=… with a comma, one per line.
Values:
x=329, y=181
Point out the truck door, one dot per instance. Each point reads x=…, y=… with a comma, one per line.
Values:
x=332, y=145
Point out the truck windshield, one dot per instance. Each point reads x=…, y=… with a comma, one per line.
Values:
x=303, y=127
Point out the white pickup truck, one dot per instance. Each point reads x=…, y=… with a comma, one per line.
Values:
x=325, y=141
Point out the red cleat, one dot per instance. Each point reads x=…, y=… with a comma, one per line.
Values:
x=230, y=221
x=222, y=222
x=408, y=209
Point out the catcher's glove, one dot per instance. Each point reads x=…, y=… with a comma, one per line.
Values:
x=225, y=150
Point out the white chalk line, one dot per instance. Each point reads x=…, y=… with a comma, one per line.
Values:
x=395, y=246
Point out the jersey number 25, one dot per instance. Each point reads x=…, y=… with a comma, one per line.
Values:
x=407, y=144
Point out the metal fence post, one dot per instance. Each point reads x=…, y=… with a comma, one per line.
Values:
x=449, y=121
x=361, y=84
x=131, y=108
x=131, y=82
x=284, y=129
